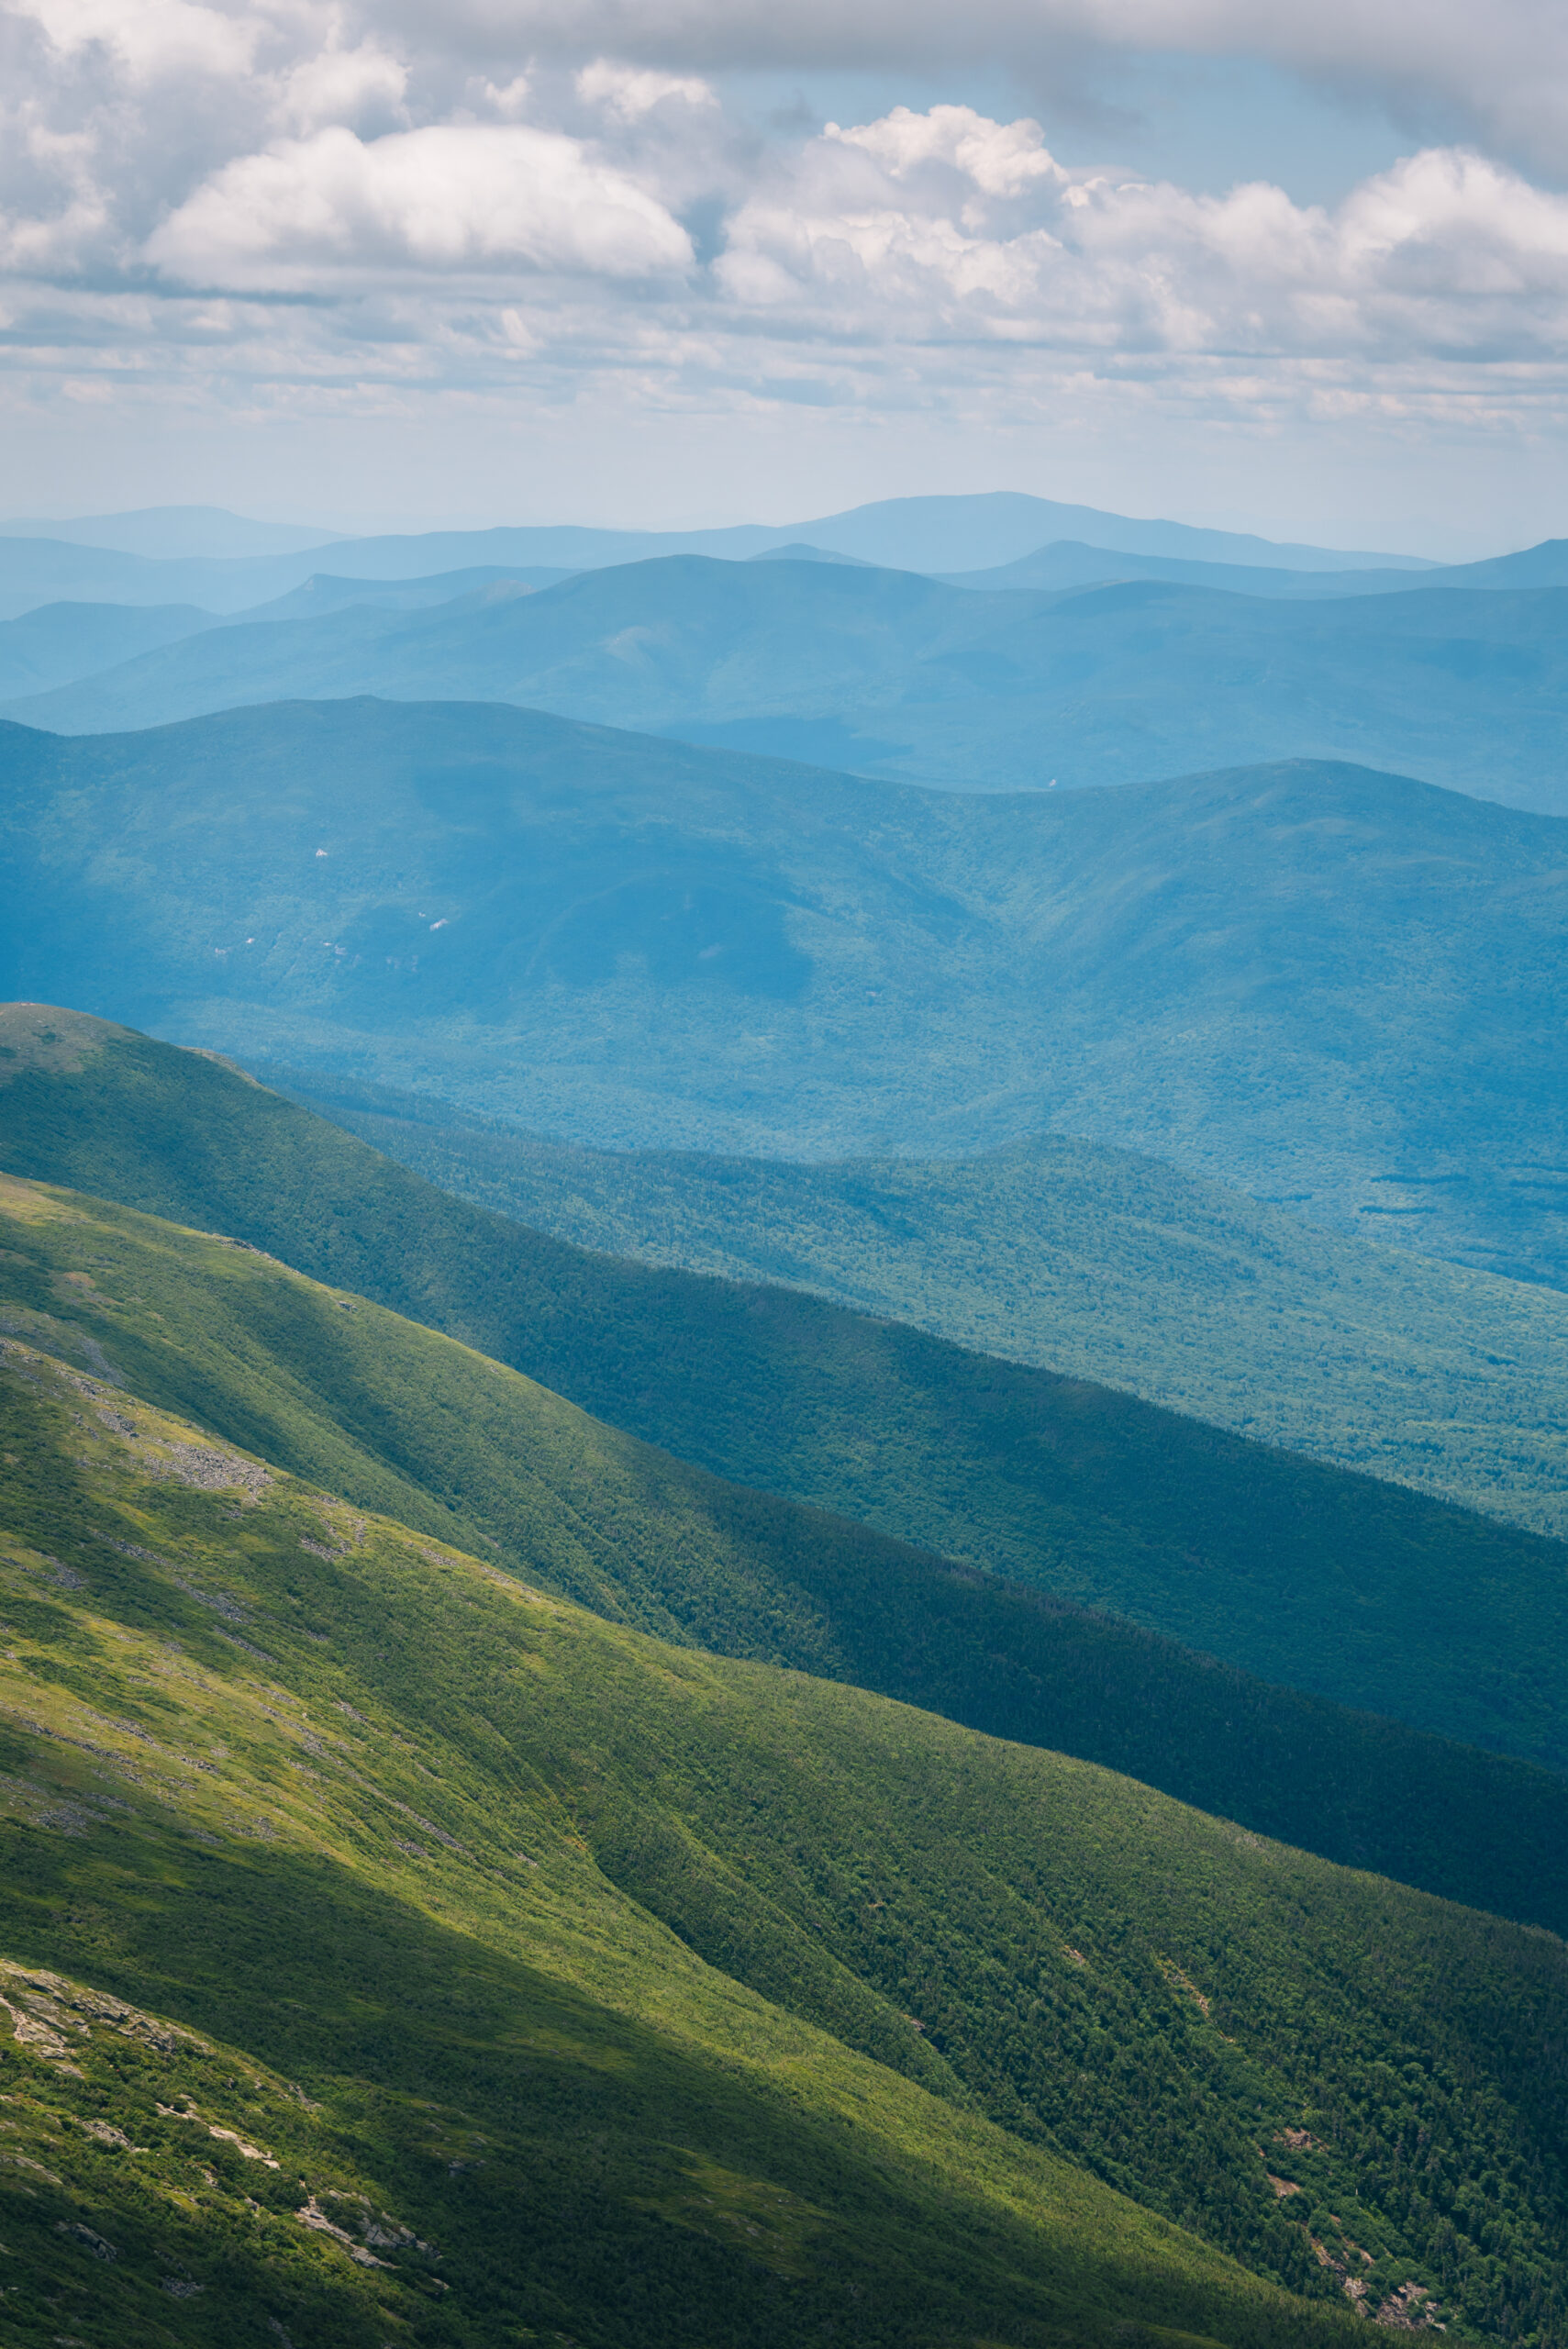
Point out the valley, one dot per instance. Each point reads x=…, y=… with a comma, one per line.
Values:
x=782, y=1436
x=1307, y=981
x=1079, y=1258
x=1069, y=1500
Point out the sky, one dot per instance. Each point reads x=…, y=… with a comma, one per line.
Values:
x=1296, y=269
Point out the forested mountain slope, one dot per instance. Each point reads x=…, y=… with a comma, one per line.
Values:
x=1082, y=1258
x=1439, y=1617
x=1306, y=980
x=911, y=679
x=594, y=1986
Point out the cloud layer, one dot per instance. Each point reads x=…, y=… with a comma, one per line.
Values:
x=302, y=203
x=1502, y=70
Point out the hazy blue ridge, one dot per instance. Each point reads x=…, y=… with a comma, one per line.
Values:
x=162, y=533
x=58, y=642
x=919, y=680
x=1066, y=562
x=1310, y=981
x=325, y=590
x=224, y=563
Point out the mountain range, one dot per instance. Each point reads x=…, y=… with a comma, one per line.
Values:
x=782, y=1537
x=225, y=562
x=904, y=678
x=1336, y=987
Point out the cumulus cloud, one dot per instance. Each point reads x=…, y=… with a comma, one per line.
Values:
x=449, y=197
x=352, y=87
x=628, y=93
x=471, y=200
x=154, y=39
x=948, y=226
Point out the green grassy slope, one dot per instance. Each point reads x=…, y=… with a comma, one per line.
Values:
x=1305, y=979
x=1353, y=1589
x=354, y=1857
x=1084, y=1259
x=401, y=1419
x=655, y=1995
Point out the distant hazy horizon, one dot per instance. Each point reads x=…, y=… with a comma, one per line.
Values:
x=178, y=529
x=668, y=264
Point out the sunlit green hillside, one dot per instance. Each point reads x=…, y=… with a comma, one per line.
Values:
x=1340, y=1585
x=583, y=1988
x=399, y=1418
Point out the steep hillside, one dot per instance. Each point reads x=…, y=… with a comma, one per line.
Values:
x=1440, y=1618
x=597, y=1988
x=498, y=2097
x=1313, y=982
x=912, y=679
x=1084, y=1259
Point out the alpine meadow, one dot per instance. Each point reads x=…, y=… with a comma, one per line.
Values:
x=784, y=1176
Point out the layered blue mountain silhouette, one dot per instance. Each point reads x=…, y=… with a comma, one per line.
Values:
x=1311, y=980
x=893, y=675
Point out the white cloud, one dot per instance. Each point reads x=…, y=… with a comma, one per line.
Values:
x=948, y=226
x=1503, y=67
x=352, y=86
x=446, y=197
x=627, y=92
x=152, y=40
x=1001, y=159
x=489, y=207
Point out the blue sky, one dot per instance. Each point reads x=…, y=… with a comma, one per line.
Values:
x=1302, y=270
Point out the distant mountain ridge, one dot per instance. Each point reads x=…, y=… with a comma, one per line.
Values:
x=57, y=643
x=918, y=533
x=163, y=533
x=893, y=675
x=1306, y=979
x=1073, y=563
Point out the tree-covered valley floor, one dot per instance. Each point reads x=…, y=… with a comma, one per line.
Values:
x=396, y=1951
